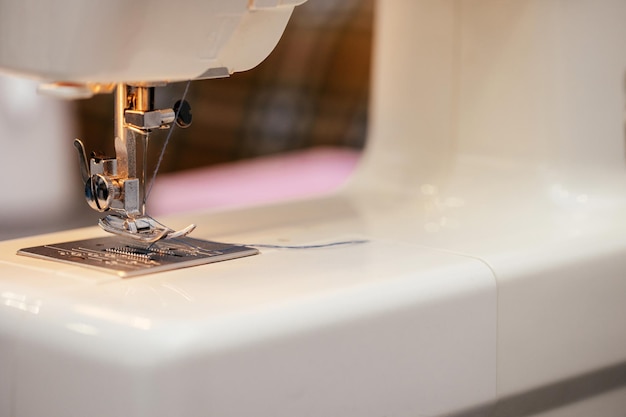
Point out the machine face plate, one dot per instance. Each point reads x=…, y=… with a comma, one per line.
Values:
x=128, y=258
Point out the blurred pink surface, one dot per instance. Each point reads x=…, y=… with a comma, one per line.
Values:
x=262, y=180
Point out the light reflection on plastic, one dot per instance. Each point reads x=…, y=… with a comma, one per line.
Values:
x=454, y=202
x=562, y=195
x=20, y=302
x=178, y=291
x=82, y=328
x=136, y=322
x=559, y=192
x=428, y=189
x=583, y=198
x=442, y=212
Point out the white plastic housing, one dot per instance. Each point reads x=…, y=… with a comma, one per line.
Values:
x=145, y=40
x=35, y=168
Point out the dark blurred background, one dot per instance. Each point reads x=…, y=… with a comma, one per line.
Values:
x=311, y=91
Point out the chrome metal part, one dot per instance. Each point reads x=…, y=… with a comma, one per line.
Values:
x=128, y=258
x=104, y=166
x=144, y=228
x=144, y=120
x=113, y=183
x=142, y=97
x=125, y=143
x=101, y=191
x=132, y=202
x=82, y=159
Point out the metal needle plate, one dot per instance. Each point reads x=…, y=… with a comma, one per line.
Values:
x=128, y=258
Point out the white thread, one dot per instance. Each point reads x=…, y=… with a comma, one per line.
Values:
x=167, y=139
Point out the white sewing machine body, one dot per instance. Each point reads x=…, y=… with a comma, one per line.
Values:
x=143, y=41
x=491, y=196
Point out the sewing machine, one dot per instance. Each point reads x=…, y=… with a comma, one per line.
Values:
x=485, y=229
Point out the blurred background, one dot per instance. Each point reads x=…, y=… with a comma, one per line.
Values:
x=295, y=124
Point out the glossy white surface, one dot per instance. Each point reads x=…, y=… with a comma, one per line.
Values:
x=114, y=41
x=35, y=167
x=356, y=329
x=509, y=121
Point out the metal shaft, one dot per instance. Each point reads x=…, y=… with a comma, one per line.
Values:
x=125, y=144
x=143, y=98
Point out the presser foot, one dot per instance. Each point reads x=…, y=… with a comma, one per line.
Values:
x=128, y=258
x=144, y=229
